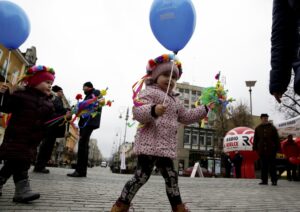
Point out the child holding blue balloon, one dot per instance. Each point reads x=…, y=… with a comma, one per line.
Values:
x=158, y=111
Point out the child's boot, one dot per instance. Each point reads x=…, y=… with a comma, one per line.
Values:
x=120, y=207
x=23, y=192
x=181, y=208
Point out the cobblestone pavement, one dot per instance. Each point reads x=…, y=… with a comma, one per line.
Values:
x=101, y=188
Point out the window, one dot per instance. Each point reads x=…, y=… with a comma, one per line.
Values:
x=195, y=140
x=202, y=140
x=4, y=67
x=209, y=139
x=186, y=139
x=216, y=141
x=194, y=98
x=186, y=94
x=14, y=77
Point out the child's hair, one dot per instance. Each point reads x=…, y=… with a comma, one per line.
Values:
x=37, y=74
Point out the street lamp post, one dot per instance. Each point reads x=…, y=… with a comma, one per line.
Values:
x=122, y=154
x=250, y=84
x=126, y=120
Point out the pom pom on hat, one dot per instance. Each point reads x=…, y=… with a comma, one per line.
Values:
x=38, y=74
x=163, y=63
x=88, y=84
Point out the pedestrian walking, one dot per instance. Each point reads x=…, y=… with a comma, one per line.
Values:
x=237, y=162
x=87, y=125
x=155, y=144
x=285, y=47
x=53, y=132
x=30, y=107
x=266, y=143
x=290, y=148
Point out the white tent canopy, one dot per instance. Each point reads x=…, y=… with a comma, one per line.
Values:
x=290, y=126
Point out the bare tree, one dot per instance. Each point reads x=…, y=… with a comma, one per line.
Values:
x=290, y=102
x=232, y=117
x=240, y=115
x=220, y=122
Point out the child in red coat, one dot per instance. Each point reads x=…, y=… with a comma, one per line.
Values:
x=30, y=108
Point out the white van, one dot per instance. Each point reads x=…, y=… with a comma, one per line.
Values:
x=103, y=164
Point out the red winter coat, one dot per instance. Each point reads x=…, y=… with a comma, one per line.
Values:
x=30, y=109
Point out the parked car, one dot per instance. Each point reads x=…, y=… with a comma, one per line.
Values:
x=103, y=164
x=188, y=171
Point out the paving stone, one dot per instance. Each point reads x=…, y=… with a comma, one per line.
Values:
x=101, y=188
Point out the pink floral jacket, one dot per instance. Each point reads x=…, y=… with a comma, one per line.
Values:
x=157, y=136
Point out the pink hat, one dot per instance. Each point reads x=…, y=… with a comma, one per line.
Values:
x=163, y=64
x=37, y=74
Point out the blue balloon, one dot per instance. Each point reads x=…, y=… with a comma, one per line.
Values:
x=173, y=22
x=14, y=25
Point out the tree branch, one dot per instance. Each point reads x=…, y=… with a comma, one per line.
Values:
x=291, y=108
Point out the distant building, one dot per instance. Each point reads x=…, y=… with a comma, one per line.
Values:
x=195, y=144
x=130, y=158
x=15, y=68
x=95, y=155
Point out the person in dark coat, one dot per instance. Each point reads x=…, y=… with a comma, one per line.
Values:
x=30, y=108
x=53, y=132
x=227, y=165
x=237, y=161
x=266, y=143
x=87, y=126
x=285, y=47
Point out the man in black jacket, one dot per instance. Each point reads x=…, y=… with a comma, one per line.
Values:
x=87, y=125
x=53, y=132
x=266, y=143
x=285, y=51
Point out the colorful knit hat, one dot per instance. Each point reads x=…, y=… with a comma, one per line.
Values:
x=156, y=67
x=37, y=74
x=163, y=63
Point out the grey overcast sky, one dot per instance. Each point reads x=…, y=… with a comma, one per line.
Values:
x=109, y=42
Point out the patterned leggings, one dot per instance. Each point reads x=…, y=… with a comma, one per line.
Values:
x=145, y=166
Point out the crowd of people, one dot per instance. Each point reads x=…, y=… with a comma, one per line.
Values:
x=32, y=104
x=158, y=110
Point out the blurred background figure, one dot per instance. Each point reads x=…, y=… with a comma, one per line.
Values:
x=237, y=162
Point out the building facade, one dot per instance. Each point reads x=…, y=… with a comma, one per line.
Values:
x=11, y=70
x=95, y=156
x=195, y=143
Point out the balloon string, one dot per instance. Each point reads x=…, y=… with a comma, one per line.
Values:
x=6, y=72
x=173, y=63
